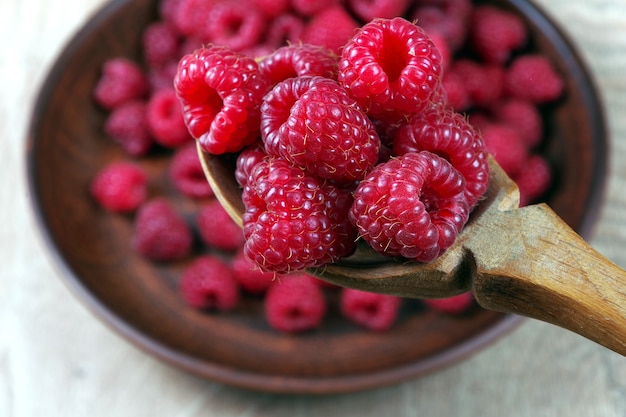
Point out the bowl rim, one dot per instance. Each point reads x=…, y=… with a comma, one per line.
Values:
x=297, y=384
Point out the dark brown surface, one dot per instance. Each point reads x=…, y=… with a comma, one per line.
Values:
x=139, y=300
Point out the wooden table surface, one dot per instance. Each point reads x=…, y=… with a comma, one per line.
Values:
x=57, y=359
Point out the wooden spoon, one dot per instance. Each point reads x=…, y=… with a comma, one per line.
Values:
x=525, y=261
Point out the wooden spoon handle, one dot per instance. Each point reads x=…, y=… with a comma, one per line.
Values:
x=535, y=265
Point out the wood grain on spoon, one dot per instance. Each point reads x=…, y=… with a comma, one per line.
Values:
x=525, y=261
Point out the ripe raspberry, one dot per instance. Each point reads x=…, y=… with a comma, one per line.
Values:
x=412, y=206
x=456, y=304
x=330, y=28
x=187, y=175
x=160, y=44
x=294, y=304
x=310, y=8
x=495, y=33
x=449, y=135
x=532, y=77
x=247, y=160
x=313, y=123
x=191, y=16
x=221, y=93
x=234, y=24
x=523, y=116
x=534, y=179
x=293, y=220
x=449, y=18
x=120, y=187
x=367, y=10
x=164, y=118
x=127, y=126
x=506, y=146
x=298, y=61
x=484, y=83
x=217, y=229
x=287, y=29
x=168, y=10
x=456, y=92
x=122, y=80
x=272, y=8
x=163, y=76
x=207, y=283
x=161, y=234
x=377, y=312
x=250, y=278
x=390, y=65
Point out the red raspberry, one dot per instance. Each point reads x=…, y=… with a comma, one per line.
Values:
x=532, y=77
x=191, y=17
x=294, y=304
x=506, y=146
x=160, y=44
x=314, y=123
x=330, y=28
x=250, y=278
x=217, y=229
x=293, y=220
x=120, y=187
x=310, y=8
x=298, y=61
x=207, y=283
x=523, y=116
x=391, y=65
x=186, y=173
x=456, y=304
x=412, y=206
x=495, y=33
x=168, y=10
x=247, y=160
x=122, y=80
x=272, y=8
x=285, y=30
x=484, y=83
x=161, y=233
x=367, y=10
x=164, y=117
x=450, y=135
x=457, y=95
x=449, y=18
x=126, y=125
x=234, y=24
x=163, y=76
x=377, y=312
x=221, y=93
x=534, y=179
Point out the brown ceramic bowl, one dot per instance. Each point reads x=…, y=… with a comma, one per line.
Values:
x=139, y=300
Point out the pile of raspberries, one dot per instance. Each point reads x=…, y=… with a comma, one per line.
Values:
x=347, y=121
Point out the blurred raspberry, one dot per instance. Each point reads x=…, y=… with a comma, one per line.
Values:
x=160, y=44
x=331, y=28
x=484, y=83
x=164, y=117
x=367, y=10
x=121, y=80
x=217, y=229
x=449, y=18
x=456, y=91
x=234, y=24
x=120, y=187
x=250, y=278
x=495, y=33
x=272, y=8
x=506, y=146
x=287, y=29
x=452, y=305
x=187, y=175
x=127, y=126
x=533, y=77
x=376, y=312
x=207, y=283
x=310, y=8
x=523, y=116
x=534, y=180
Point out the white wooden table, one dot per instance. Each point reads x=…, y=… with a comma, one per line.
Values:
x=57, y=359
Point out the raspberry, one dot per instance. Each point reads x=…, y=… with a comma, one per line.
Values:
x=272, y=8
x=367, y=10
x=456, y=304
x=120, y=187
x=168, y=10
x=161, y=234
x=456, y=92
x=217, y=229
x=160, y=44
x=298, y=61
x=221, y=93
x=534, y=179
x=495, y=33
x=293, y=220
x=450, y=135
x=163, y=76
x=234, y=24
x=295, y=304
x=523, y=116
x=532, y=77
x=247, y=160
x=412, y=206
x=250, y=278
x=207, y=283
x=484, y=83
x=191, y=16
x=506, y=146
x=311, y=8
x=449, y=18
x=330, y=28
x=314, y=123
x=377, y=312
x=285, y=29
x=186, y=173
x=127, y=126
x=164, y=119
x=122, y=80
x=390, y=65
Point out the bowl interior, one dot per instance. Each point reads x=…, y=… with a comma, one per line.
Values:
x=66, y=147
